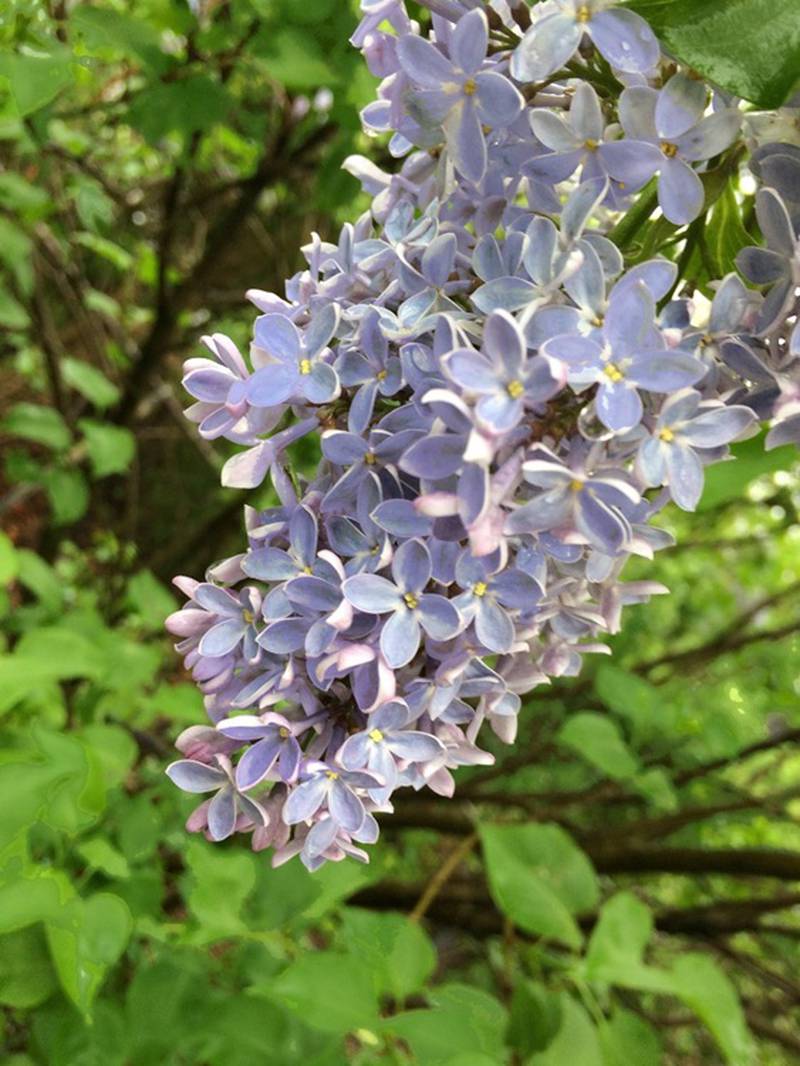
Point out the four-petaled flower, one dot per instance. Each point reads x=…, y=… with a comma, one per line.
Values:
x=406, y=601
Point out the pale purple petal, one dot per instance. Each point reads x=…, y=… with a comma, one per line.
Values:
x=192, y=776
x=305, y=800
x=221, y=814
x=718, y=426
x=493, y=627
x=371, y=593
x=680, y=191
x=625, y=40
x=400, y=638
x=438, y=617
x=469, y=41
x=222, y=638
x=680, y=106
x=498, y=102
x=685, y=476
x=257, y=762
x=411, y=566
x=423, y=63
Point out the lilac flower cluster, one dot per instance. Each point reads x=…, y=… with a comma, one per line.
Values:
x=503, y=404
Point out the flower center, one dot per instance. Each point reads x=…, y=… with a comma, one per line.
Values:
x=583, y=14
x=381, y=375
x=669, y=149
x=591, y=145
x=479, y=588
x=283, y=733
x=305, y=366
x=375, y=735
x=597, y=321
x=470, y=87
x=411, y=600
x=370, y=458
x=576, y=485
x=331, y=775
x=515, y=389
x=612, y=372
x=666, y=435
x=249, y=617
x=307, y=570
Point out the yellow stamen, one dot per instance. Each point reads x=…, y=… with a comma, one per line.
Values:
x=598, y=321
x=307, y=570
x=591, y=144
x=284, y=733
x=583, y=14
x=612, y=372
x=576, y=485
x=381, y=375
x=515, y=389
x=411, y=600
x=666, y=435
x=669, y=149
x=376, y=735
x=305, y=366
x=479, y=588
x=249, y=617
x=470, y=87
x=331, y=775
x=370, y=458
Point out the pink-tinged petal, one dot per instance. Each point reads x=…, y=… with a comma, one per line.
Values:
x=469, y=41
x=423, y=63
x=680, y=192
x=247, y=469
x=227, y=353
x=257, y=762
x=211, y=383
x=603, y=527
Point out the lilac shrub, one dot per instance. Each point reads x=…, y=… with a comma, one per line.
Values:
x=504, y=402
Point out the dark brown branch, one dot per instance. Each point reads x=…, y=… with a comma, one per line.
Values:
x=779, y=863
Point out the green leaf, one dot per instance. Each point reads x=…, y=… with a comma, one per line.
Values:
x=707, y=990
x=99, y=854
x=399, y=953
x=328, y=990
x=39, y=578
x=539, y=878
x=193, y=103
x=627, y=1040
x=220, y=884
x=576, y=1042
x=460, y=1019
x=12, y=314
x=89, y=382
x=634, y=699
x=535, y=1017
x=749, y=47
x=44, y=425
x=616, y=947
x=26, y=974
x=9, y=560
x=68, y=494
x=725, y=233
x=293, y=58
x=112, y=252
x=35, y=80
x=85, y=940
x=597, y=739
x=104, y=28
x=28, y=900
x=729, y=481
x=111, y=448
x=42, y=656
x=654, y=784
x=149, y=600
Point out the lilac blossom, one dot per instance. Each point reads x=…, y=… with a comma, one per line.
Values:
x=506, y=392
x=668, y=132
x=456, y=94
x=673, y=454
x=620, y=35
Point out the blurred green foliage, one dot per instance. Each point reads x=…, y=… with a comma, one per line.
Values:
x=617, y=891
